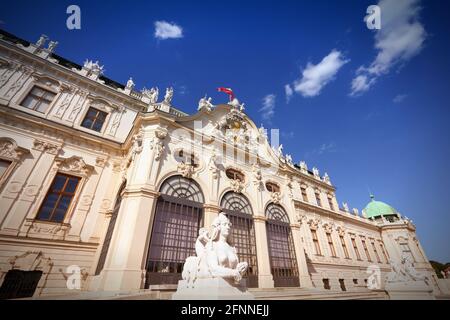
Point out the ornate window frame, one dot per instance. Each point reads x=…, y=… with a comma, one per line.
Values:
x=51, y=85
x=10, y=151
x=74, y=166
x=101, y=104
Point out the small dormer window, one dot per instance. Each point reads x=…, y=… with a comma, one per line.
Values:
x=94, y=119
x=235, y=175
x=187, y=158
x=272, y=187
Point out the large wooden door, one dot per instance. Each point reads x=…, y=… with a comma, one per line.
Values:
x=283, y=261
x=177, y=220
x=19, y=284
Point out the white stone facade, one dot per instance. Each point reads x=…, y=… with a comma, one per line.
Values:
x=137, y=147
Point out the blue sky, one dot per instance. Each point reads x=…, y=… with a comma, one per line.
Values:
x=392, y=137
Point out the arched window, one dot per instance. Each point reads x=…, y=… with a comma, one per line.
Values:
x=109, y=232
x=238, y=210
x=177, y=220
x=234, y=175
x=283, y=261
x=272, y=187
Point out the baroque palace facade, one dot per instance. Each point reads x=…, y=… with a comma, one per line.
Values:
x=104, y=180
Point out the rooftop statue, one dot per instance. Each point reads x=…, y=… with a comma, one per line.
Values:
x=130, y=84
x=42, y=39
x=205, y=103
x=215, y=272
x=169, y=95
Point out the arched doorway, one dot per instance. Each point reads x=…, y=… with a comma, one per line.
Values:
x=177, y=219
x=109, y=232
x=283, y=262
x=238, y=210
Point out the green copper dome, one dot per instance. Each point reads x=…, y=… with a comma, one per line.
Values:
x=377, y=209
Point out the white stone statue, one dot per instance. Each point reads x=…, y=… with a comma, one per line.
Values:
x=412, y=273
x=397, y=274
x=279, y=150
x=262, y=132
x=212, y=165
x=303, y=166
x=93, y=66
x=326, y=178
x=316, y=172
x=152, y=94
x=52, y=46
x=205, y=103
x=42, y=39
x=168, y=96
x=345, y=206
x=130, y=84
x=289, y=159
x=215, y=272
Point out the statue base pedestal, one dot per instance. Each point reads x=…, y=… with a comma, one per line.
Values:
x=212, y=289
x=411, y=290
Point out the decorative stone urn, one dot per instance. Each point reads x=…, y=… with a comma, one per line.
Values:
x=215, y=273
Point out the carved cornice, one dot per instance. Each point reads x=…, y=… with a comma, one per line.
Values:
x=9, y=150
x=74, y=165
x=47, y=147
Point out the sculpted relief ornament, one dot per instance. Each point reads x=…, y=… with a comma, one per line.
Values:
x=186, y=170
x=74, y=164
x=236, y=185
x=10, y=150
x=212, y=166
x=215, y=272
x=405, y=282
x=157, y=143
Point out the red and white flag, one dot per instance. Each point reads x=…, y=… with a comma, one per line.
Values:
x=228, y=91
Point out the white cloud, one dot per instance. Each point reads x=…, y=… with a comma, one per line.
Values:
x=330, y=147
x=399, y=98
x=400, y=38
x=268, y=108
x=165, y=30
x=315, y=77
x=289, y=92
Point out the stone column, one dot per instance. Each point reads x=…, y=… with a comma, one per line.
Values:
x=305, y=278
x=211, y=211
x=125, y=263
x=113, y=184
x=265, y=278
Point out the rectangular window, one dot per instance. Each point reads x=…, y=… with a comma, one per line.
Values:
x=4, y=165
x=376, y=252
x=331, y=244
x=58, y=198
x=344, y=247
x=94, y=119
x=330, y=203
x=316, y=242
x=326, y=284
x=38, y=99
x=319, y=203
x=386, y=258
x=407, y=250
x=355, y=247
x=304, y=194
x=342, y=284
x=366, y=250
